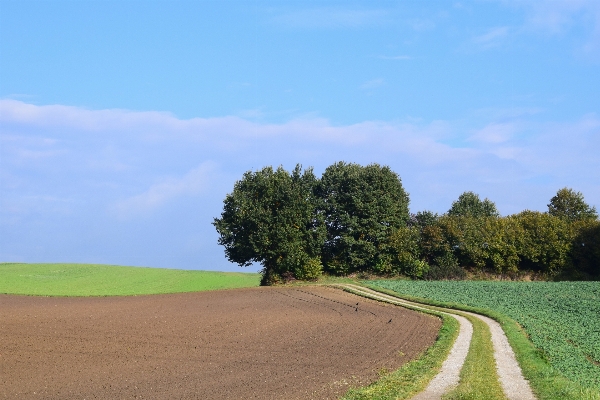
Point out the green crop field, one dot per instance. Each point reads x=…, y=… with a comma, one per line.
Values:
x=562, y=319
x=110, y=280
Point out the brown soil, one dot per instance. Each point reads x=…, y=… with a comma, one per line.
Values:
x=258, y=343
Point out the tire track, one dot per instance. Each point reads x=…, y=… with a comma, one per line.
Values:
x=449, y=374
x=514, y=385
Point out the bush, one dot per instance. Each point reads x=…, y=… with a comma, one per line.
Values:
x=312, y=270
x=445, y=268
x=585, y=252
x=544, y=243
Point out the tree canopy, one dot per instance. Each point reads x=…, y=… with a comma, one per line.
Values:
x=569, y=205
x=469, y=205
x=361, y=206
x=356, y=219
x=269, y=218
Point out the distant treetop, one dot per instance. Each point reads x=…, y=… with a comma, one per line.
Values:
x=569, y=204
x=469, y=205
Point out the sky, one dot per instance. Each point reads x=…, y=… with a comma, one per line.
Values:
x=124, y=124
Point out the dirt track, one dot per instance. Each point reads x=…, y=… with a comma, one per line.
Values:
x=259, y=343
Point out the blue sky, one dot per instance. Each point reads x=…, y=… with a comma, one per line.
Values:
x=123, y=124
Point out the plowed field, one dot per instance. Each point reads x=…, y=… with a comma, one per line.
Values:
x=258, y=343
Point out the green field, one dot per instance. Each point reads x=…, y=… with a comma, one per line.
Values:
x=562, y=319
x=111, y=280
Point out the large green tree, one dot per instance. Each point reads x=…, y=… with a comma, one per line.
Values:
x=270, y=218
x=362, y=206
x=569, y=205
x=470, y=205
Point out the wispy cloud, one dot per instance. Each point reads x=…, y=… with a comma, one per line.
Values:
x=167, y=189
x=493, y=37
x=372, y=84
x=558, y=17
x=495, y=133
x=506, y=147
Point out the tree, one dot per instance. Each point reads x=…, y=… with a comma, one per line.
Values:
x=469, y=205
x=423, y=219
x=544, y=242
x=569, y=205
x=270, y=218
x=361, y=207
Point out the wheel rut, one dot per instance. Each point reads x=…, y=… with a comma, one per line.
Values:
x=514, y=385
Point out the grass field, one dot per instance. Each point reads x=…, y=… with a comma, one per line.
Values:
x=111, y=280
x=560, y=318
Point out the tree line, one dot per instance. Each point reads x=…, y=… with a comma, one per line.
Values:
x=356, y=219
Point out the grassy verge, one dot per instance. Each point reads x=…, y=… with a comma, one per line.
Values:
x=110, y=280
x=547, y=383
x=414, y=376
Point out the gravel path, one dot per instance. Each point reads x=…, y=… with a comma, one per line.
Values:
x=511, y=379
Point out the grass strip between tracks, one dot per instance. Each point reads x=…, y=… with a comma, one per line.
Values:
x=546, y=382
x=414, y=376
x=478, y=377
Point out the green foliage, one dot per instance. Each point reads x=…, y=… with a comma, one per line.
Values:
x=445, y=268
x=469, y=205
x=423, y=219
x=436, y=243
x=560, y=318
x=362, y=206
x=529, y=241
x=311, y=271
x=404, y=253
x=586, y=248
x=544, y=243
x=355, y=219
x=270, y=218
x=569, y=205
x=482, y=242
x=111, y=280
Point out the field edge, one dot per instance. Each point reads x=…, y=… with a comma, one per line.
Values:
x=102, y=280
x=546, y=382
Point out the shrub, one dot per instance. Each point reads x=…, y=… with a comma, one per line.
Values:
x=445, y=268
x=585, y=252
x=544, y=243
x=312, y=270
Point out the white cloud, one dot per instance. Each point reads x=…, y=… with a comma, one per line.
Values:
x=120, y=195
x=111, y=153
x=194, y=182
x=495, y=133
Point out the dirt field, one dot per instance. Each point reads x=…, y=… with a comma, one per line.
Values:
x=259, y=343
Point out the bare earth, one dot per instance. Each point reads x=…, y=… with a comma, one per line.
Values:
x=258, y=343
